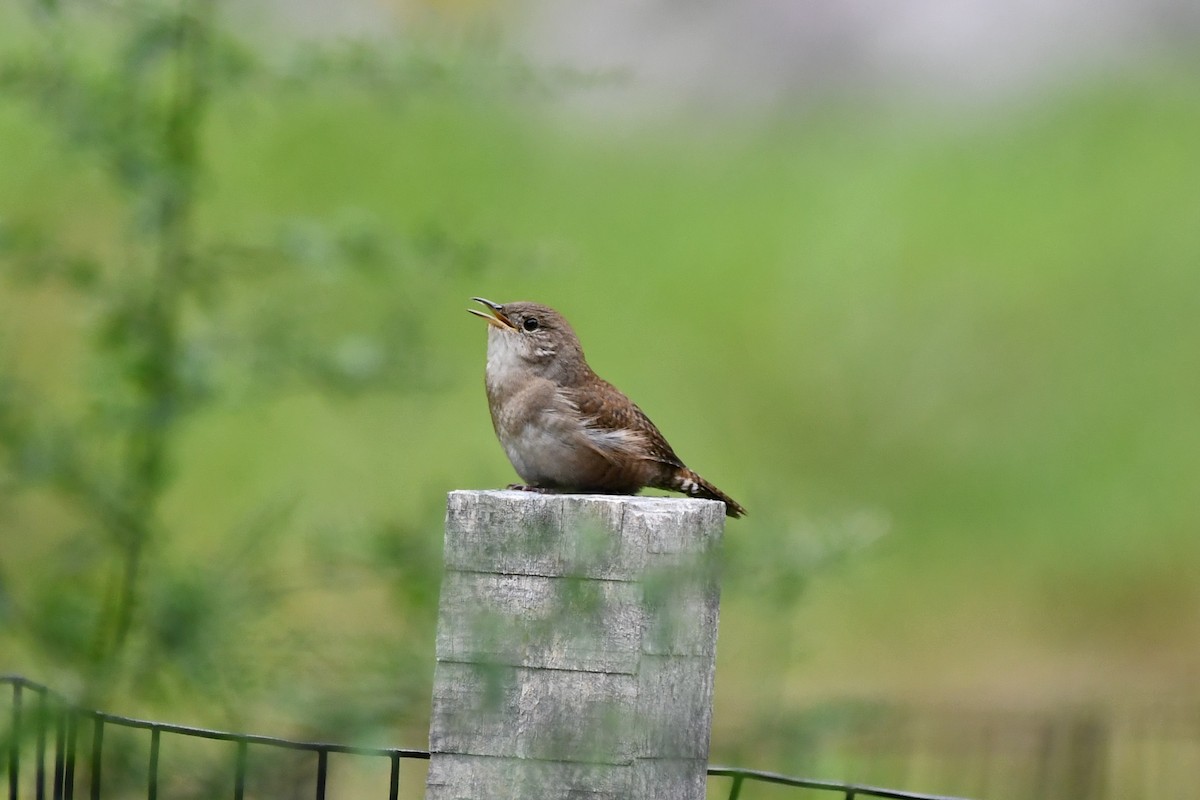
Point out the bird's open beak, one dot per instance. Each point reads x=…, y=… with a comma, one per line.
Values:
x=497, y=316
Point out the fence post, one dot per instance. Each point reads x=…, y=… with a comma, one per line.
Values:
x=575, y=647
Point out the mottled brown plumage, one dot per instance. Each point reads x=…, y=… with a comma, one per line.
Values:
x=563, y=427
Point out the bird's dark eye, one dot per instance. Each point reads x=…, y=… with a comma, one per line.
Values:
x=530, y=324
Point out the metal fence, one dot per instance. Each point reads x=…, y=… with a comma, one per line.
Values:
x=847, y=790
x=47, y=724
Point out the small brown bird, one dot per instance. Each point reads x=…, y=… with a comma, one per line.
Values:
x=565, y=428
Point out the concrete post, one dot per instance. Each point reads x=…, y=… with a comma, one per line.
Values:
x=575, y=647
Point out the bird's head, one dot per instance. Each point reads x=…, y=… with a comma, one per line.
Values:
x=530, y=336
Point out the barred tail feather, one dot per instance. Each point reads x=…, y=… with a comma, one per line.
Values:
x=693, y=485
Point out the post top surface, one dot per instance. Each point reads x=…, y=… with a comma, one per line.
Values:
x=609, y=537
x=644, y=503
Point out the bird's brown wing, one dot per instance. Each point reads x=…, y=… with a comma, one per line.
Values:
x=616, y=427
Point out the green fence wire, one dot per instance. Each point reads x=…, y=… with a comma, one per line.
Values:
x=53, y=727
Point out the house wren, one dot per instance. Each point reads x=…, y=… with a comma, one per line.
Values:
x=565, y=428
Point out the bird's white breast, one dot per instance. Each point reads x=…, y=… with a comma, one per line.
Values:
x=538, y=435
x=505, y=366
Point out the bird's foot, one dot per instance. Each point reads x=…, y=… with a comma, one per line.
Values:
x=522, y=487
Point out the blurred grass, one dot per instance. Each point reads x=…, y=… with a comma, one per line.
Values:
x=976, y=330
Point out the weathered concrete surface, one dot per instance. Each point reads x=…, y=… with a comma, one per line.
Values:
x=575, y=648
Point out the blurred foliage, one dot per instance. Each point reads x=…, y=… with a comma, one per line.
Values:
x=179, y=317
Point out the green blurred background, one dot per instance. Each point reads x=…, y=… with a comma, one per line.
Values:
x=942, y=341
